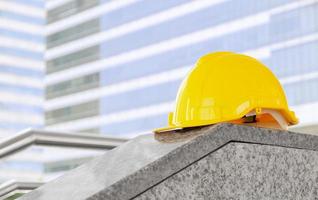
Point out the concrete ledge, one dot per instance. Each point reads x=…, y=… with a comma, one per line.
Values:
x=8, y=188
x=40, y=137
x=134, y=168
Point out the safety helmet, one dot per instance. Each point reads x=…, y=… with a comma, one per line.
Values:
x=228, y=87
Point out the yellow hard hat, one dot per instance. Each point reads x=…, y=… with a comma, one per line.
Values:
x=225, y=86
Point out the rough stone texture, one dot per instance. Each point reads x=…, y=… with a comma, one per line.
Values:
x=244, y=171
x=137, y=166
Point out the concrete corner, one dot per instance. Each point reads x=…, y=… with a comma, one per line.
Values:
x=224, y=161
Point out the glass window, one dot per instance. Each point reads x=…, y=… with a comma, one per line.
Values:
x=73, y=59
x=70, y=113
x=298, y=22
x=73, y=33
x=69, y=9
x=72, y=86
x=302, y=92
x=91, y=130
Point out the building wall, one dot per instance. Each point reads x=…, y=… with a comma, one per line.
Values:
x=115, y=66
x=21, y=65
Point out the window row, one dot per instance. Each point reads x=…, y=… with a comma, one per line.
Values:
x=73, y=33
x=70, y=8
x=70, y=113
x=72, y=86
x=72, y=60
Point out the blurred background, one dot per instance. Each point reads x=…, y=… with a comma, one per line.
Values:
x=112, y=68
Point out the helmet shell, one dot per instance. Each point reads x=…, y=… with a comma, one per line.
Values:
x=225, y=86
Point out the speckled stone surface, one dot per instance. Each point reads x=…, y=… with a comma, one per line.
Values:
x=133, y=168
x=244, y=171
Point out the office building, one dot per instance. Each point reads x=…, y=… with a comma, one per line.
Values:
x=21, y=65
x=114, y=67
x=22, y=46
x=22, y=70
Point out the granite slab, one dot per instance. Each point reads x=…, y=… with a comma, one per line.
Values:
x=132, y=169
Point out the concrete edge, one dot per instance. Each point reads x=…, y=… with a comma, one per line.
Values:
x=209, y=140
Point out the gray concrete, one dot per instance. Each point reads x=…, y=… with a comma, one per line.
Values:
x=244, y=171
x=145, y=168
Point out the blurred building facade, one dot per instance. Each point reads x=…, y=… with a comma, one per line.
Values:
x=37, y=155
x=114, y=67
x=22, y=46
x=21, y=65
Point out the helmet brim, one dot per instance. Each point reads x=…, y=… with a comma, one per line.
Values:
x=289, y=116
x=167, y=129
